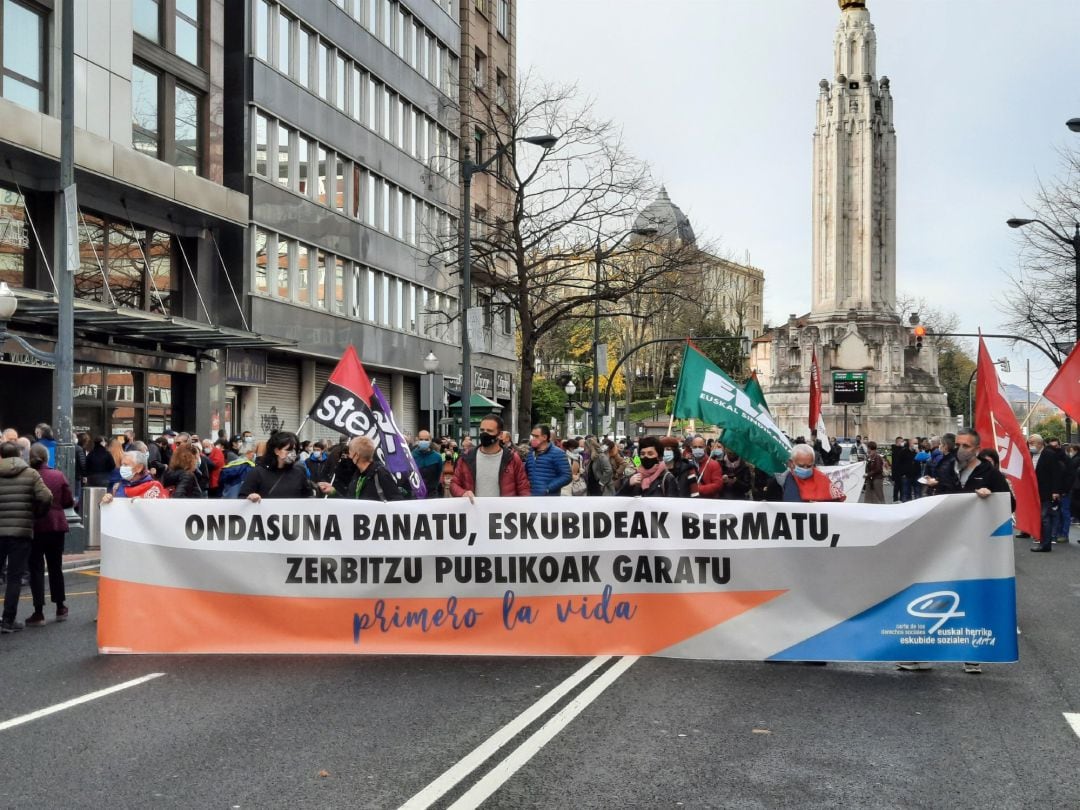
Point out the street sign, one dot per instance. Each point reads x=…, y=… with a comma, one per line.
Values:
x=849, y=387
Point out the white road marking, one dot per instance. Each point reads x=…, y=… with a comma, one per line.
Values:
x=444, y=783
x=1073, y=720
x=67, y=704
x=497, y=776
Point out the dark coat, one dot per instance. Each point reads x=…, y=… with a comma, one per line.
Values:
x=99, y=466
x=280, y=482
x=665, y=486
x=23, y=496
x=738, y=481
x=183, y=484
x=376, y=483
x=55, y=520
x=903, y=462
x=984, y=476
x=1050, y=473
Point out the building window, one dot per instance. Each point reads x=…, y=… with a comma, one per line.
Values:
x=303, y=274
x=262, y=30
x=369, y=301
x=320, y=279
x=284, y=49
x=14, y=237
x=181, y=35
x=479, y=68
x=303, y=57
x=186, y=130
x=339, y=82
x=339, y=286
x=146, y=19
x=283, y=155
x=144, y=110
x=303, y=159
x=283, y=267
x=340, y=170
x=478, y=145
x=323, y=192
x=502, y=16
x=323, y=57
x=384, y=318
x=23, y=55
x=262, y=145
x=501, y=97
x=260, y=284
x=137, y=265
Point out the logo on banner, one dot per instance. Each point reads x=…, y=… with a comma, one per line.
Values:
x=940, y=605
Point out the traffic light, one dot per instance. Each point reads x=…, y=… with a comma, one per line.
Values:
x=919, y=332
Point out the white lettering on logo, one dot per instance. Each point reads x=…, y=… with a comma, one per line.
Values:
x=931, y=606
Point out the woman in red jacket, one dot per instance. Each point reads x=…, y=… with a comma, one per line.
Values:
x=711, y=480
x=47, y=546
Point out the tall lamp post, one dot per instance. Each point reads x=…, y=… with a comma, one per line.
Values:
x=570, y=389
x=1072, y=242
x=600, y=256
x=468, y=169
x=431, y=366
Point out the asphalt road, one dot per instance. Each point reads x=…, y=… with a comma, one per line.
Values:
x=313, y=732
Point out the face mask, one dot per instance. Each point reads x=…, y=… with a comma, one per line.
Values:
x=648, y=462
x=127, y=473
x=534, y=442
x=1033, y=449
x=669, y=456
x=424, y=445
x=804, y=472
x=698, y=452
x=964, y=455
x=486, y=440
x=290, y=457
x=718, y=454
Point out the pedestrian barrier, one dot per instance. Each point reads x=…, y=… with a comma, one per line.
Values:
x=92, y=515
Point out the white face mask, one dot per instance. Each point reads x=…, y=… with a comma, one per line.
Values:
x=127, y=473
x=669, y=456
x=290, y=457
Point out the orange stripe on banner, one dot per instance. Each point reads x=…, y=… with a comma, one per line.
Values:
x=141, y=618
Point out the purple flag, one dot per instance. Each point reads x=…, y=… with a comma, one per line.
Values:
x=392, y=445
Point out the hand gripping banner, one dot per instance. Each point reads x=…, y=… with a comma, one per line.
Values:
x=929, y=580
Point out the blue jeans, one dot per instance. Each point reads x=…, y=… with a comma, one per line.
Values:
x=1066, y=517
x=905, y=489
x=1050, y=520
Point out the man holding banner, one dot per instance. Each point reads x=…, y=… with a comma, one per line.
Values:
x=371, y=481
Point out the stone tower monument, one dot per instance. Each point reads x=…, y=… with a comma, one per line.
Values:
x=853, y=323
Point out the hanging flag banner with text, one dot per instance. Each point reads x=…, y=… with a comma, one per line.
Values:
x=928, y=580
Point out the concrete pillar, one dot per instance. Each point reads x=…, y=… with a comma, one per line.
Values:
x=307, y=395
x=248, y=406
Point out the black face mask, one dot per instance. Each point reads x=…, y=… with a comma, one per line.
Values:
x=648, y=463
x=486, y=439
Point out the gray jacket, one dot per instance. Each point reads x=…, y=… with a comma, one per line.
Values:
x=600, y=470
x=23, y=496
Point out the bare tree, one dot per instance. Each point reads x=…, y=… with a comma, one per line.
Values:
x=538, y=256
x=1040, y=302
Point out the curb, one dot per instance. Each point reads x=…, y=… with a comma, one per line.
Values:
x=80, y=562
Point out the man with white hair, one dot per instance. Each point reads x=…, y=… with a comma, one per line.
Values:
x=804, y=483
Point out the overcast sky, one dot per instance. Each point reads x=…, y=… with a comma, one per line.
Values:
x=718, y=96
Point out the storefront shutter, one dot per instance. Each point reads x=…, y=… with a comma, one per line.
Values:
x=407, y=420
x=279, y=400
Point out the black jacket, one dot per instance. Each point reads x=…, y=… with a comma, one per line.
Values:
x=686, y=476
x=984, y=476
x=376, y=483
x=665, y=486
x=280, y=482
x=182, y=484
x=737, y=481
x=903, y=462
x=1050, y=473
x=99, y=463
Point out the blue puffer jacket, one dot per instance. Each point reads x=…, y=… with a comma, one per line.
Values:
x=549, y=471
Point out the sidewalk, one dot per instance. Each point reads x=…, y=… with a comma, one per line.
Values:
x=82, y=560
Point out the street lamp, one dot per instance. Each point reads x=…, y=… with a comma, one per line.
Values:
x=431, y=365
x=601, y=254
x=1073, y=124
x=1001, y=361
x=1073, y=242
x=570, y=389
x=8, y=304
x=468, y=169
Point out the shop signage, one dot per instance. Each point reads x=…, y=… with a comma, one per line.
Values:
x=503, y=385
x=23, y=359
x=484, y=382
x=245, y=367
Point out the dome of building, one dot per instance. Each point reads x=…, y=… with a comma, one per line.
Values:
x=667, y=218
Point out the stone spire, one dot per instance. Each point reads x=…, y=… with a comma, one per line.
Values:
x=854, y=181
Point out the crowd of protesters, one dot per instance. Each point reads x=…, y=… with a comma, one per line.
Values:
x=34, y=495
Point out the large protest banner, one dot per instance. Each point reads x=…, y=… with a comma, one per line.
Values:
x=929, y=580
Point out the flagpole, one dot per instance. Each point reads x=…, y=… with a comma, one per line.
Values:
x=302, y=425
x=1031, y=410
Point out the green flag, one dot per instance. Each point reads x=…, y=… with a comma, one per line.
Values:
x=705, y=392
x=753, y=390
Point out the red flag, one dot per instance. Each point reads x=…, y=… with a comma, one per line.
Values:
x=817, y=422
x=996, y=422
x=1064, y=389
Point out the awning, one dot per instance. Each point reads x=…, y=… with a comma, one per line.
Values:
x=41, y=309
x=477, y=402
